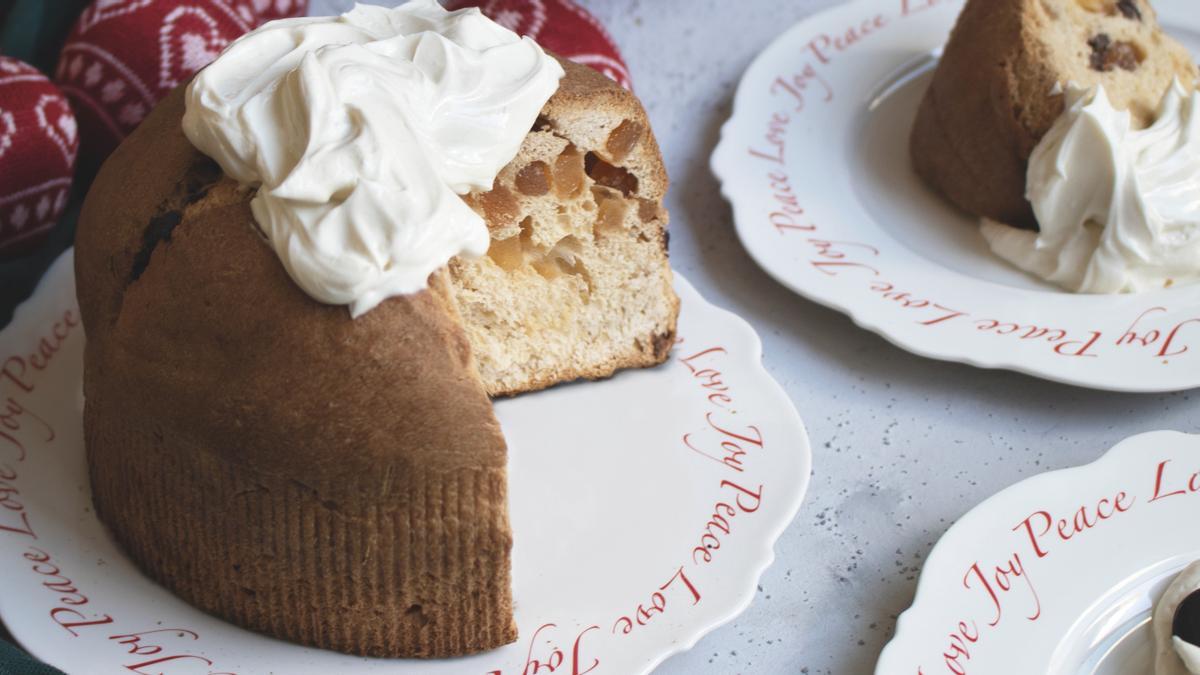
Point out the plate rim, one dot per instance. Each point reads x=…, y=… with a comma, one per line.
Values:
x=943, y=547
x=723, y=166
x=768, y=553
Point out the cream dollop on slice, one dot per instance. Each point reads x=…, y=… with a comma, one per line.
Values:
x=361, y=132
x=1119, y=207
x=1174, y=655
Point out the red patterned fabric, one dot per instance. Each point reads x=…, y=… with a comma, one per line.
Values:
x=560, y=26
x=269, y=10
x=122, y=56
x=38, y=146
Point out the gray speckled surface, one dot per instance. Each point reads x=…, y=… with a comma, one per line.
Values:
x=903, y=446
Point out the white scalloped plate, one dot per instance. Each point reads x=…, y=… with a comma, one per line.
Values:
x=613, y=487
x=815, y=163
x=1081, y=602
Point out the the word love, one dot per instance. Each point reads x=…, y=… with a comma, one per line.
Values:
x=705, y=369
x=14, y=518
x=678, y=586
x=1170, y=483
x=961, y=641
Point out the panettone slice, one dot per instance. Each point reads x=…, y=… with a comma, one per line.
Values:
x=1000, y=83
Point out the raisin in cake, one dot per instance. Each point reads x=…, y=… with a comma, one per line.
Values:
x=999, y=88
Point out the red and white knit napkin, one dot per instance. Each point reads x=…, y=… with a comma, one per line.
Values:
x=38, y=146
x=561, y=26
x=123, y=56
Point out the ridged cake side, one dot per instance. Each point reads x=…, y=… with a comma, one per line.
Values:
x=414, y=568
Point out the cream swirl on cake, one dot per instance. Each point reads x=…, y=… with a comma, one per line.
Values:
x=362, y=131
x=1118, y=207
x=1177, y=626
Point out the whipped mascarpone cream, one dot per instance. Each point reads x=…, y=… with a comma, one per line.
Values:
x=361, y=132
x=1174, y=656
x=1119, y=208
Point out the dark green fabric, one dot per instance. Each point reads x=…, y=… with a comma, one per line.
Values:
x=13, y=661
x=33, y=31
x=19, y=277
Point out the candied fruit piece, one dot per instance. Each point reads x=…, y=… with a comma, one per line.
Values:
x=647, y=210
x=507, y=253
x=623, y=140
x=610, y=215
x=499, y=206
x=548, y=268
x=569, y=173
x=534, y=180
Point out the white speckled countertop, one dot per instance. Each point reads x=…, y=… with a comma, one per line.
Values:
x=903, y=446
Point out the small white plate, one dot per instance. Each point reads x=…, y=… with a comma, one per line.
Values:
x=614, y=485
x=1001, y=594
x=815, y=163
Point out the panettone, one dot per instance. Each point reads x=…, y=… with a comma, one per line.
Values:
x=1000, y=84
x=338, y=482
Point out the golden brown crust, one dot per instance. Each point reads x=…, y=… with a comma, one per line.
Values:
x=998, y=87
x=126, y=205
x=584, y=91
